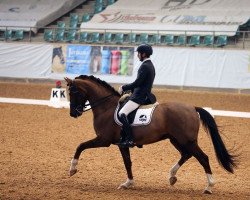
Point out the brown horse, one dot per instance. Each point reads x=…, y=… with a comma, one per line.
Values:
x=175, y=121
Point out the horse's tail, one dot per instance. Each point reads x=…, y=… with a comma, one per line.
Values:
x=226, y=160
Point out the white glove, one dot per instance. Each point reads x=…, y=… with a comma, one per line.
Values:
x=120, y=90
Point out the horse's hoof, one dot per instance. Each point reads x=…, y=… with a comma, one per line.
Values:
x=128, y=184
x=122, y=186
x=207, y=192
x=172, y=180
x=72, y=172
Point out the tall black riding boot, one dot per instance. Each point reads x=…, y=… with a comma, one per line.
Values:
x=127, y=138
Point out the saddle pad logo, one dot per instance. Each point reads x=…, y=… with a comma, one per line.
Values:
x=143, y=116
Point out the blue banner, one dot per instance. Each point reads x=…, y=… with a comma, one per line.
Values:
x=105, y=67
x=78, y=59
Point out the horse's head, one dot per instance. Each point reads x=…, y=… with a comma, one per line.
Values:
x=77, y=99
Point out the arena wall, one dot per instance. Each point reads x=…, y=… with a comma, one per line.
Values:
x=182, y=67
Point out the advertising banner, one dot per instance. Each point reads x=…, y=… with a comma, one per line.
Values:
x=78, y=59
x=173, y=16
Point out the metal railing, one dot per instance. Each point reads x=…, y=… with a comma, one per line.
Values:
x=238, y=39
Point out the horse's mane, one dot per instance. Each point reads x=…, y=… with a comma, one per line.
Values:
x=99, y=81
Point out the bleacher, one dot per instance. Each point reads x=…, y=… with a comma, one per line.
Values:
x=99, y=24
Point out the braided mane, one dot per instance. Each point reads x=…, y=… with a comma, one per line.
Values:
x=99, y=81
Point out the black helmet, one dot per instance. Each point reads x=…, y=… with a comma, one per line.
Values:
x=145, y=48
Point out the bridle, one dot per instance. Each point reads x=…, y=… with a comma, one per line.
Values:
x=78, y=108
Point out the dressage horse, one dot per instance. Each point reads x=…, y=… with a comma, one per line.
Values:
x=175, y=121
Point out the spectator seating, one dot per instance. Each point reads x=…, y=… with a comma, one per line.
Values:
x=194, y=40
x=154, y=39
x=221, y=41
x=181, y=40
x=74, y=18
x=83, y=38
x=18, y=35
x=168, y=39
x=59, y=35
x=93, y=37
x=85, y=17
x=68, y=32
x=61, y=25
x=143, y=38
x=8, y=34
x=70, y=36
x=208, y=40
x=13, y=35
x=107, y=37
x=119, y=38
x=73, y=25
x=48, y=35
x=98, y=2
x=98, y=8
x=96, y=37
x=130, y=38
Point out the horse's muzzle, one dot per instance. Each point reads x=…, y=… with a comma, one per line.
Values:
x=75, y=114
x=76, y=111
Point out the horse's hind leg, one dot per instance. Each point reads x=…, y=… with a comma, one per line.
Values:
x=185, y=155
x=128, y=165
x=196, y=151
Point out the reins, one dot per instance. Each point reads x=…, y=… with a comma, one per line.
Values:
x=96, y=103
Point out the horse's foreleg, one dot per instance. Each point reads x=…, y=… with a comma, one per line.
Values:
x=128, y=165
x=184, y=157
x=94, y=143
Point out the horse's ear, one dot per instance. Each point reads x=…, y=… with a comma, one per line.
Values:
x=68, y=80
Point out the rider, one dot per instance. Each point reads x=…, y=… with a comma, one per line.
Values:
x=141, y=92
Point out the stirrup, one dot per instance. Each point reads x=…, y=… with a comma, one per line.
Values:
x=121, y=140
x=126, y=143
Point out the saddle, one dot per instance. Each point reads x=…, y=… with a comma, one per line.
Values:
x=139, y=117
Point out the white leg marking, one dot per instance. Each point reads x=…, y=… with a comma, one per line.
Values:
x=129, y=183
x=73, y=169
x=172, y=173
x=210, y=180
x=174, y=170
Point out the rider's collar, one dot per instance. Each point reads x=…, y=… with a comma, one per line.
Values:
x=146, y=60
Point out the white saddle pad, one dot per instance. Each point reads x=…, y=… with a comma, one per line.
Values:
x=143, y=115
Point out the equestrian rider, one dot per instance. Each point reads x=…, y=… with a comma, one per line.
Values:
x=141, y=92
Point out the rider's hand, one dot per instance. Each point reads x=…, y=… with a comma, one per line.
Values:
x=120, y=90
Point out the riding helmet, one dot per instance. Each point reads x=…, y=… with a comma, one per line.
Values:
x=145, y=48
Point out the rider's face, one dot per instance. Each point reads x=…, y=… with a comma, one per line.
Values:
x=141, y=56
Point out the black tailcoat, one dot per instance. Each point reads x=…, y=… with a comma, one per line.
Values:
x=141, y=87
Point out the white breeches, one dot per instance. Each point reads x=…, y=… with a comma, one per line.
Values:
x=128, y=108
